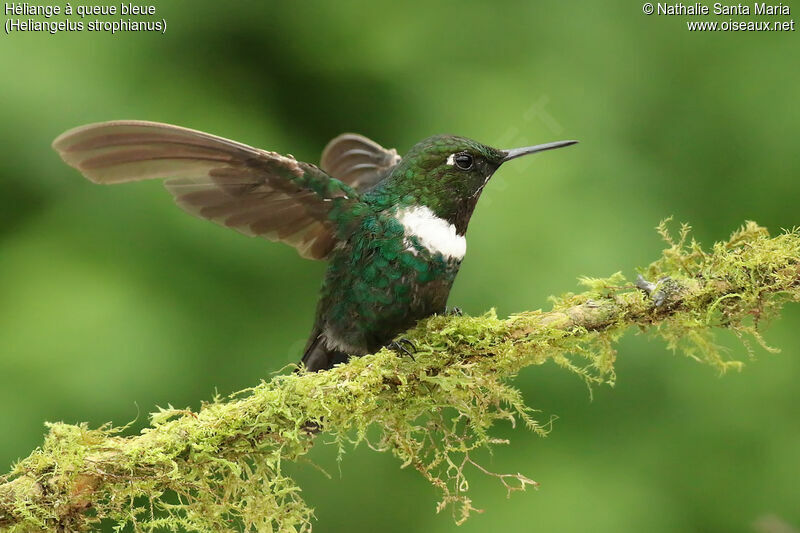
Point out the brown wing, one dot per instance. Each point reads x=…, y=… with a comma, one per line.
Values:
x=256, y=192
x=357, y=161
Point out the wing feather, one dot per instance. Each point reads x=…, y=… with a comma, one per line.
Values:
x=256, y=192
x=357, y=161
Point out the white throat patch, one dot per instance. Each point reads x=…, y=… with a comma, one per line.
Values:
x=432, y=232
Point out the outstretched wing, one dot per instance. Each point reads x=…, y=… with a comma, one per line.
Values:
x=256, y=192
x=357, y=161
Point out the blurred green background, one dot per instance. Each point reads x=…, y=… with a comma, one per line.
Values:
x=113, y=301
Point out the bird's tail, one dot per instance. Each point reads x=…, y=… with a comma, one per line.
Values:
x=318, y=356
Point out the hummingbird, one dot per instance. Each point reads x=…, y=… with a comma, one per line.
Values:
x=392, y=229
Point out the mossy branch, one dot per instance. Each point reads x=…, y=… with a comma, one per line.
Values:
x=220, y=468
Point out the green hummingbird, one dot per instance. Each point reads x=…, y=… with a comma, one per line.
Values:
x=391, y=228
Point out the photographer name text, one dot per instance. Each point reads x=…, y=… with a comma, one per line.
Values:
x=719, y=8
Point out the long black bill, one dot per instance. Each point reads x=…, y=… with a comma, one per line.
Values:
x=519, y=152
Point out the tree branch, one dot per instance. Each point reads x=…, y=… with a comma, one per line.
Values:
x=220, y=468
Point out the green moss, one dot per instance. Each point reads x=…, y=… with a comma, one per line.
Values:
x=220, y=469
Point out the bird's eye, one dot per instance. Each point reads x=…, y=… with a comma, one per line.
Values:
x=463, y=161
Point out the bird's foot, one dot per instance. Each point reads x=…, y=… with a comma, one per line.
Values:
x=653, y=290
x=403, y=346
x=453, y=311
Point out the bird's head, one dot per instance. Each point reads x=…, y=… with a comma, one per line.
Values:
x=447, y=173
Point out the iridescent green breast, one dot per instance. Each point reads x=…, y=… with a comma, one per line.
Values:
x=395, y=268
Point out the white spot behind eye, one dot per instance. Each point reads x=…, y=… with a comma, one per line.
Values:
x=451, y=159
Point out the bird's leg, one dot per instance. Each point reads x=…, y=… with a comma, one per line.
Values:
x=652, y=290
x=403, y=346
x=453, y=311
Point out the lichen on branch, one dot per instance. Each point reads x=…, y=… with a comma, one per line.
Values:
x=221, y=468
